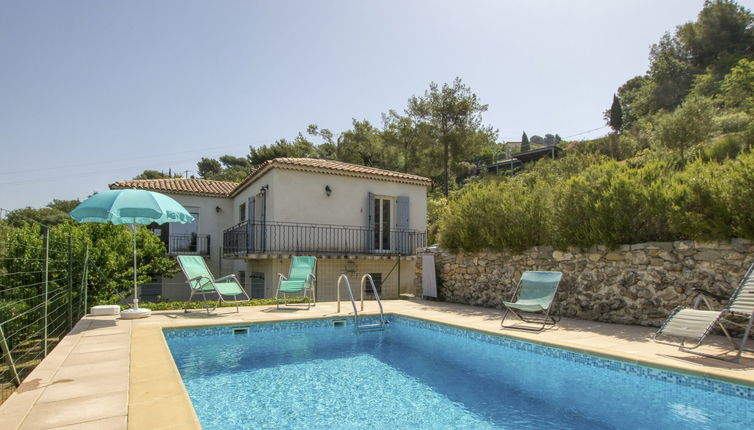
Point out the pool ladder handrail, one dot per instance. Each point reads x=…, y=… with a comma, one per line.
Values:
x=378, y=326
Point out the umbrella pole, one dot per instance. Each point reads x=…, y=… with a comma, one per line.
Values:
x=136, y=288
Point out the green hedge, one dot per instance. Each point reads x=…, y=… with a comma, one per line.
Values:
x=607, y=203
x=169, y=306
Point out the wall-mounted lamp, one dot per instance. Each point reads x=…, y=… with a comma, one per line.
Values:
x=328, y=190
x=217, y=209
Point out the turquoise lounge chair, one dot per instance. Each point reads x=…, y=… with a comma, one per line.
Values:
x=534, y=293
x=695, y=323
x=202, y=282
x=300, y=278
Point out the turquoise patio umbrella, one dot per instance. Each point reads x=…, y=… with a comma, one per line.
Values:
x=131, y=207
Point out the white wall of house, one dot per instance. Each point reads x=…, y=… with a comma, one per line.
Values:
x=300, y=197
x=329, y=269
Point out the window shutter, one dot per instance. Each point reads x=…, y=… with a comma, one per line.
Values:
x=401, y=224
x=250, y=218
x=370, y=221
x=401, y=204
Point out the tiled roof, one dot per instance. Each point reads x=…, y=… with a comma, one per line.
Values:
x=332, y=167
x=206, y=187
x=203, y=187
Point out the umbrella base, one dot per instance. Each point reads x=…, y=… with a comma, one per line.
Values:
x=130, y=314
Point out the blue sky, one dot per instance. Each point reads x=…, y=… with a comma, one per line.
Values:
x=92, y=92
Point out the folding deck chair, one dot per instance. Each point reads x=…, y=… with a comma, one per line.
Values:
x=202, y=282
x=300, y=278
x=534, y=293
x=694, y=323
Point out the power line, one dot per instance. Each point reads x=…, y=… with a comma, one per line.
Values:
x=585, y=132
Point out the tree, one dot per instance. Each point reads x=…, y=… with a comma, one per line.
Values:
x=738, y=86
x=363, y=144
x=721, y=34
x=208, y=168
x=671, y=73
x=300, y=147
x=410, y=140
x=54, y=213
x=614, y=116
x=328, y=148
x=551, y=139
x=452, y=115
x=110, y=258
x=537, y=140
x=688, y=125
x=525, y=146
x=151, y=174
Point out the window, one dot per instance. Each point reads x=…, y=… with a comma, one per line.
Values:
x=257, y=285
x=242, y=212
x=183, y=237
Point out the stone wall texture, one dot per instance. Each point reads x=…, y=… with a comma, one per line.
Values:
x=634, y=284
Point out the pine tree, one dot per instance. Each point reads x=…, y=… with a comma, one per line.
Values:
x=616, y=115
x=525, y=143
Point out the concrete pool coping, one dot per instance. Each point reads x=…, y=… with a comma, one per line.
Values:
x=110, y=373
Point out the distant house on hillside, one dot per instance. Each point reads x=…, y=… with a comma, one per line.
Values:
x=355, y=219
x=518, y=160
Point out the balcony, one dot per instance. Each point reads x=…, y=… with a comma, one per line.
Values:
x=296, y=238
x=191, y=243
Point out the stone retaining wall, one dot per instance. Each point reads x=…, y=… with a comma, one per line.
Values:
x=634, y=284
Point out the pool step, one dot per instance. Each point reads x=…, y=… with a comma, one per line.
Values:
x=371, y=327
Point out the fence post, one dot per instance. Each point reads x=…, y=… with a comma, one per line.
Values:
x=70, y=283
x=46, y=245
x=84, y=278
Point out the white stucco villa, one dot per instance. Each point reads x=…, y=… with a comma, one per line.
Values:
x=354, y=219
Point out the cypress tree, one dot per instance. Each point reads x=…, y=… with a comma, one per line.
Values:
x=525, y=143
x=616, y=115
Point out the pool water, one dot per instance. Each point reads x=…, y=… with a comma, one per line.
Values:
x=421, y=375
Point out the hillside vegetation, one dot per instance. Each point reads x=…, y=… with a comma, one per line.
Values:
x=678, y=165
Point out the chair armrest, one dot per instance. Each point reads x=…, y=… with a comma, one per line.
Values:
x=710, y=294
x=226, y=277
x=282, y=277
x=196, y=278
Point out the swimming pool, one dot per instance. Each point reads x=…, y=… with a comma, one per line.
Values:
x=423, y=375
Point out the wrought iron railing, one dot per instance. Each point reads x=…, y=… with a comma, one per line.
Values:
x=190, y=243
x=283, y=237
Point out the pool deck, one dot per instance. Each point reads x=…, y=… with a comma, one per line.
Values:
x=110, y=373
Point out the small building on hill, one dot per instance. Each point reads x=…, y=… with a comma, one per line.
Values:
x=518, y=160
x=355, y=219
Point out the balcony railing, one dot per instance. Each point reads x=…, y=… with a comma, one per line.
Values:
x=280, y=237
x=190, y=243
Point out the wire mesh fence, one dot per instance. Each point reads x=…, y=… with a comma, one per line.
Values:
x=43, y=279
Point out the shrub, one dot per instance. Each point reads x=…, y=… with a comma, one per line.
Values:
x=726, y=147
x=732, y=122
x=699, y=210
x=689, y=124
x=611, y=204
x=739, y=195
x=509, y=214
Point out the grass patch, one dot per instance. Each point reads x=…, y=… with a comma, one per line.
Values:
x=171, y=306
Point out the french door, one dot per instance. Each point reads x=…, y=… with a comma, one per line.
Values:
x=383, y=222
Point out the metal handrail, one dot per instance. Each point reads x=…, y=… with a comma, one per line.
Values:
x=350, y=294
x=376, y=295
x=297, y=238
